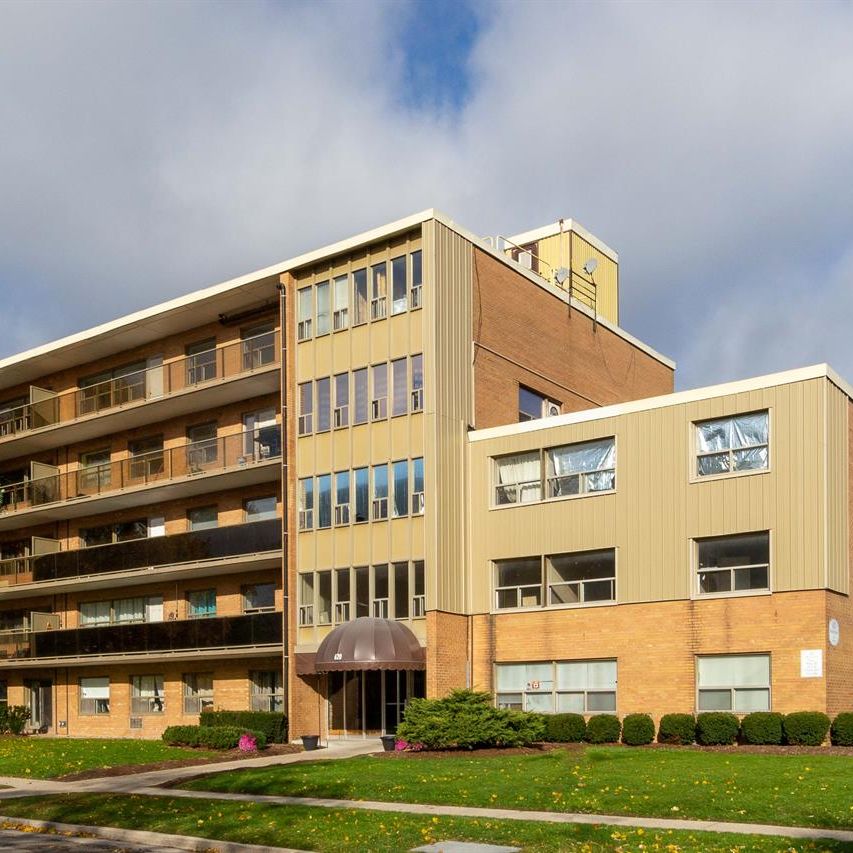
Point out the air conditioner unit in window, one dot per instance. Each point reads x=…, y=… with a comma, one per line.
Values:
x=550, y=409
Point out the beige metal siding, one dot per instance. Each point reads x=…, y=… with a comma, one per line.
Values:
x=658, y=507
x=448, y=274
x=837, y=486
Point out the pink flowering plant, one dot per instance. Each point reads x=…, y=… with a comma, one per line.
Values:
x=248, y=743
x=402, y=745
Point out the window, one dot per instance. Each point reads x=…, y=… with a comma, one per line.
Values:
x=419, y=592
x=258, y=597
x=94, y=696
x=379, y=406
x=306, y=409
x=417, y=279
x=362, y=494
x=399, y=285
x=260, y=509
x=146, y=458
x=341, y=400
x=400, y=381
x=739, y=683
x=401, y=488
x=198, y=692
x=341, y=317
x=380, y=591
x=324, y=598
x=533, y=405
x=323, y=387
x=730, y=445
x=306, y=598
x=518, y=478
x=261, y=435
x=518, y=583
x=107, y=534
x=324, y=501
x=146, y=695
x=577, y=469
x=581, y=687
x=379, y=289
x=305, y=309
x=95, y=472
x=581, y=578
x=417, y=383
x=362, y=591
x=360, y=388
x=417, y=486
x=733, y=563
x=122, y=611
x=267, y=694
x=306, y=503
x=359, y=287
x=95, y=612
x=323, y=307
x=380, y=492
x=342, y=596
x=401, y=590
x=111, y=388
x=203, y=518
x=4, y=694
x=342, y=498
x=201, y=603
x=258, y=345
x=201, y=361
x=202, y=447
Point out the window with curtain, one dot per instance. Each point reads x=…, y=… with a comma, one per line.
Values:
x=400, y=383
x=360, y=301
x=417, y=383
x=401, y=488
x=201, y=603
x=739, y=683
x=378, y=291
x=305, y=308
x=323, y=387
x=379, y=407
x=342, y=400
x=306, y=598
x=581, y=687
x=359, y=379
x=146, y=694
x=95, y=612
x=324, y=501
x=342, y=497
x=380, y=492
x=323, y=307
x=198, y=692
x=267, y=693
x=519, y=478
x=576, y=469
x=734, y=444
x=341, y=316
x=129, y=610
x=306, y=408
x=94, y=695
x=361, y=477
x=733, y=563
x=306, y=503
x=399, y=285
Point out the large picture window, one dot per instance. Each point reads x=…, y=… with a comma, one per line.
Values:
x=734, y=444
x=733, y=563
x=581, y=687
x=739, y=683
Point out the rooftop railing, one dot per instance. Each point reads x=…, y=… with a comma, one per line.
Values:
x=235, y=540
x=150, y=468
x=151, y=383
x=226, y=632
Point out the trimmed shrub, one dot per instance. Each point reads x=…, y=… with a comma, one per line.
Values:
x=761, y=727
x=272, y=724
x=13, y=719
x=806, y=728
x=565, y=728
x=716, y=728
x=677, y=729
x=841, y=733
x=467, y=720
x=603, y=728
x=211, y=737
x=638, y=730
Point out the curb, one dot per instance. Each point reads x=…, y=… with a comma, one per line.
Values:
x=141, y=838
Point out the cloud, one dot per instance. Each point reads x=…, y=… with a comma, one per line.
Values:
x=156, y=148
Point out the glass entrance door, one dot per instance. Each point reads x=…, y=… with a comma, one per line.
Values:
x=370, y=702
x=40, y=695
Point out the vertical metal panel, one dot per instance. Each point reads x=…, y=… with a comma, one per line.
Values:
x=837, y=486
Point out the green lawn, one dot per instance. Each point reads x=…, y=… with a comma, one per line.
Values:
x=329, y=830
x=678, y=783
x=47, y=758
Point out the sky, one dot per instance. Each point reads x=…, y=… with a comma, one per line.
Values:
x=153, y=148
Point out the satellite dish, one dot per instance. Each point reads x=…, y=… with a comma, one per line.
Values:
x=561, y=275
x=590, y=266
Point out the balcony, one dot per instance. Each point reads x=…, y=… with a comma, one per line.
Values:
x=249, y=546
x=246, y=458
x=252, y=634
x=201, y=381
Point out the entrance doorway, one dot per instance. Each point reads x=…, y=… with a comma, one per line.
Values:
x=40, y=702
x=365, y=702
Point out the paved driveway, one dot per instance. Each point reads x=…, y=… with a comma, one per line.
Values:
x=37, y=842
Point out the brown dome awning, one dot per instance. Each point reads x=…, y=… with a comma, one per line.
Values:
x=370, y=643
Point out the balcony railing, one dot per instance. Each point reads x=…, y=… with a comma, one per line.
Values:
x=151, y=383
x=203, y=457
x=227, y=632
x=254, y=537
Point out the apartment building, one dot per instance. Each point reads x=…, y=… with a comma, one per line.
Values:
x=412, y=460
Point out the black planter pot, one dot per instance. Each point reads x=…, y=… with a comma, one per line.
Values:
x=389, y=742
x=310, y=742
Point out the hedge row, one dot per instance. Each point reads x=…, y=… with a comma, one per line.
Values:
x=272, y=724
x=803, y=728
x=212, y=737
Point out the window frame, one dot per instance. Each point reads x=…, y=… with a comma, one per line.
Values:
x=695, y=591
x=304, y=325
x=734, y=688
x=192, y=693
x=266, y=608
x=96, y=712
x=692, y=447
